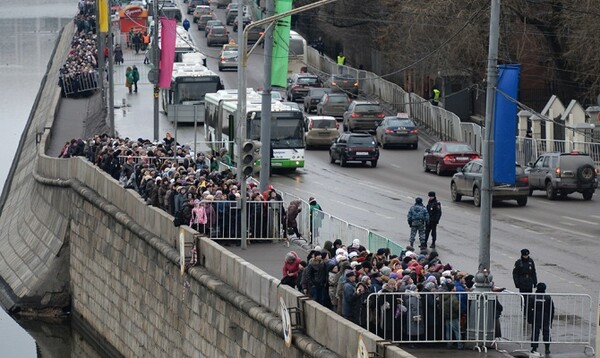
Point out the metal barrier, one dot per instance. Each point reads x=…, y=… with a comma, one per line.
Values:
x=223, y=220
x=78, y=84
x=480, y=318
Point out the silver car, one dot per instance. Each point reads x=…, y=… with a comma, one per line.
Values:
x=228, y=60
x=217, y=36
x=321, y=131
x=333, y=104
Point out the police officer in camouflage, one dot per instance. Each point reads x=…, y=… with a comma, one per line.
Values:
x=418, y=218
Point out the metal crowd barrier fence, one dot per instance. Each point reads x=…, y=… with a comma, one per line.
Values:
x=223, y=220
x=78, y=84
x=479, y=318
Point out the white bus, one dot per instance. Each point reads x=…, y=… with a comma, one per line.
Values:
x=298, y=53
x=287, y=127
x=183, y=102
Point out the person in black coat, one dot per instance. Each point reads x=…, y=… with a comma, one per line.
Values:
x=525, y=276
x=540, y=315
x=434, y=208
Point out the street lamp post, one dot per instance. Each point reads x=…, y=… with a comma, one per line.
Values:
x=241, y=108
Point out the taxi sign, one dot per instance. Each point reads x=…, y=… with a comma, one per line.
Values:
x=286, y=321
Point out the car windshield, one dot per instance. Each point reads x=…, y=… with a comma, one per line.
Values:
x=361, y=140
x=307, y=80
x=458, y=148
x=400, y=123
x=229, y=54
x=317, y=92
x=368, y=108
x=337, y=99
x=323, y=123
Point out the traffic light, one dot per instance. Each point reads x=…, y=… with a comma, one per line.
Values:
x=250, y=156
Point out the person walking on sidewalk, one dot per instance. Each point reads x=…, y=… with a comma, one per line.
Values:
x=135, y=77
x=129, y=78
x=118, y=53
x=418, y=218
x=186, y=24
x=434, y=208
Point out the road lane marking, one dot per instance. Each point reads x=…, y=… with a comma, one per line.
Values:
x=579, y=220
x=567, y=223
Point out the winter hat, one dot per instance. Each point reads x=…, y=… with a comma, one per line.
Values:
x=340, y=258
x=524, y=252
x=411, y=287
x=406, y=278
x=290, y=256
x=317, y=248
x=431, y=194
x=366, y=264
x=447, y=273
x=340, y=251
x=364, y=279
x=350, y=273
x=429, y=286
x=353, y=264
x=385, y=271
x=352, y=255
x=419, y=200
x=356, y=243
x=541, y=287
x=393, y=275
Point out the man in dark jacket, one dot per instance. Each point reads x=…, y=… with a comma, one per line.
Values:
x=540, y=315
x=434, y=208
x=524, y=276
x=314, y=278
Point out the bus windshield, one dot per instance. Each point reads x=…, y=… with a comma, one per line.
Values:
x=287, y=132
x=194, y=91
x=296, y=47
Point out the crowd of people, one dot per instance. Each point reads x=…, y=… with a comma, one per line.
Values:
x=433, y=305
x=191, y=187
x=79, y=75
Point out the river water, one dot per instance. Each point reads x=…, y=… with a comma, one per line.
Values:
x=29, y=29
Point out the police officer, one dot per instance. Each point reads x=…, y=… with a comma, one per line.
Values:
x=434, y=209
x=525, y=277
x=540, y=315
x=435, y=96
x=524, y=274
x=418, y=218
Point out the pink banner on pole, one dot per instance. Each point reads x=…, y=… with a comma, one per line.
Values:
x=168, y=34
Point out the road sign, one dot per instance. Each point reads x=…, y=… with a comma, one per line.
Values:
x=286, y=322
x=153, y=76
x=362, y=352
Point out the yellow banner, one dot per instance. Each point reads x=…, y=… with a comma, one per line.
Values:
x=103, y=15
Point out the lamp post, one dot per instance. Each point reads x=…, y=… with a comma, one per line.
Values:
x=241, y=108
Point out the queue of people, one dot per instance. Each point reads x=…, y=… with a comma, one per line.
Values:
x=342, y=277
x=79, y=75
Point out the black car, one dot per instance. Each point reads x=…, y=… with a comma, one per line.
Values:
x=313, y=97
x=354, y=147
x=299, y=84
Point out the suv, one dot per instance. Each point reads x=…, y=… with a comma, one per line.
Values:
x=563, y=174
x=365, y=115
x=354, y=147
x=299, y=84
x=321, y=131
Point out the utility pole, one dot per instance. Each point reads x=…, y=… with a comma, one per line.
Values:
x=241, y=108
x=156, y=64
x=266, y=115
x=111, y=77
x=488, y=141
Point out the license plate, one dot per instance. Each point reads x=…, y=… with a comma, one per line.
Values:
x=362, y=153
x=462, y=158
x=401, y=131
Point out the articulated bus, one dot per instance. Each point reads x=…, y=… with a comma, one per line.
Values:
x=287, y=127
x=183, y=102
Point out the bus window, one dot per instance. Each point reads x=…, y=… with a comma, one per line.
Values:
x=296, y=47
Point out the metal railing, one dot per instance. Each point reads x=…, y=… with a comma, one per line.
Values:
x=78, y=84
x=479, y=318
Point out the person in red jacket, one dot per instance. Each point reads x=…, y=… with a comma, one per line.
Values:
x=290, y=269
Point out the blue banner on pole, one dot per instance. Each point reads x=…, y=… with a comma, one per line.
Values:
x=505, y=124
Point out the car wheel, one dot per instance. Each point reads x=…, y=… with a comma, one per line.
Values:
x=530, y=191
x=477, y=197
x=522, y=201
x=345, y=127
x=586, y=173
x=220, y=69
x=416, y=146
x=438, y=169
x=342, y=161
x=454, y=192
x=331, y=160
x=373, y=164
x=425, y=168
x=587, y=194
x=550, y=191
